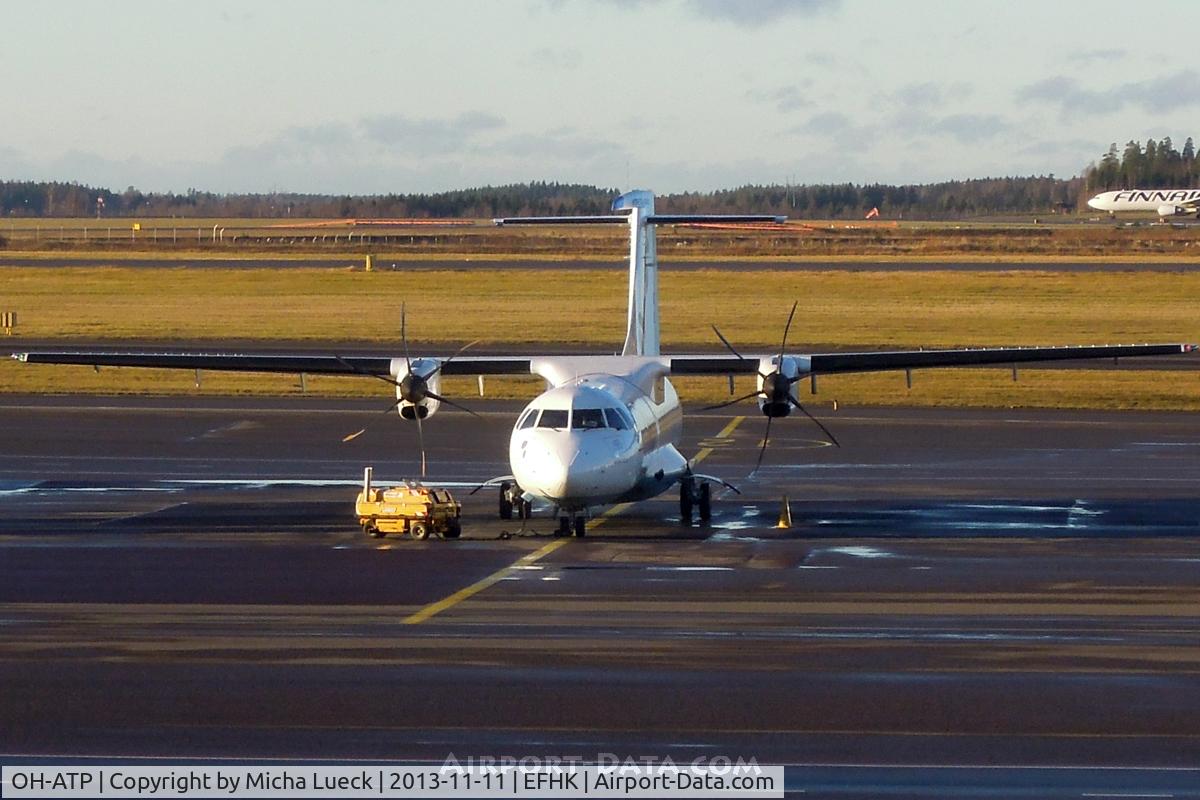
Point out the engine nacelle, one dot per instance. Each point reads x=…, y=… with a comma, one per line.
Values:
x=1171, y=211
x=775, y=385
x=411, y=388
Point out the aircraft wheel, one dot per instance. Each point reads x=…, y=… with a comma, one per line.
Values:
x=705, y=501
x=580, y=527
x=506, y=503
x=686, y=488
x=418, y=531
x=564, y=527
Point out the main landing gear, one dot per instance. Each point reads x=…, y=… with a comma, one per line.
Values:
x=694, y=497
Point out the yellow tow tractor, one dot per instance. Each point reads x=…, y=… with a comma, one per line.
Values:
x=413, y=509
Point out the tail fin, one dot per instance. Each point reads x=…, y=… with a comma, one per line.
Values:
x=636, y=209
x=641, y=333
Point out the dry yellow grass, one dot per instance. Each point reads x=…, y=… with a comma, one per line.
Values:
x=584, y=306
x=561, y=310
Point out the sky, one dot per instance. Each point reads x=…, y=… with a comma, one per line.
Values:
x=357, y=97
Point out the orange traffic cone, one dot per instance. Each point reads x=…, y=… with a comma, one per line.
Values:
x=785, y=514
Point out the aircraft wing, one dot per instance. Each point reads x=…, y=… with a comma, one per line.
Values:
x=883, y=360
x=833, y=363
x=818, y=363
x=311, y=363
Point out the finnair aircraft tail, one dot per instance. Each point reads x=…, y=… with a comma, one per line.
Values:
x=1164, y=202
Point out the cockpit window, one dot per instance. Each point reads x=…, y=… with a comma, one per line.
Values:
x=553, y=418
x=529, y=420
x=615, y=420
x=587, y=419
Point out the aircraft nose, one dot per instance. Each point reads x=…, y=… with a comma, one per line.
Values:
x=590, y=476
x=544, y=464
x=565, y=467
x=1098, y=202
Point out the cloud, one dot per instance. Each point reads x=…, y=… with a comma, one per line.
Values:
x=970, y=128
x=554, y=58
x=965, y=127
x=559, y=145
x=932, y=95
x=757, y=14
x=426, y=137
x=836, y=125
x=786, y=98
x=13, y=164
x=1099, y=54
x=760, y=12
x=1154, y=95
x=909, y=123
x=821, y=58
x=374, y=155
x=1043, y=149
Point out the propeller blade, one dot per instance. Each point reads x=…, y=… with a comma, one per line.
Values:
x=451, y=403
x=404, y=338
x=358, y=371
x=459, y=352
x=786, y=328
x=820, y=425
x=731, y=402
x=421, y=442
x=725, y=342
x=762, y=452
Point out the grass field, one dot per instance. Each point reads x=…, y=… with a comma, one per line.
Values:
x=561, y=310
x=583, y=306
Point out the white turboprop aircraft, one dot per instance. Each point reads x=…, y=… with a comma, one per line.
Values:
x=1164, y=202
x=607, y=428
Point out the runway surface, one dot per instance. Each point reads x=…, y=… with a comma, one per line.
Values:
x=667, y=264
x=971, y=603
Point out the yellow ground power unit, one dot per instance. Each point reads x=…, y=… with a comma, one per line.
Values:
x=419, y=511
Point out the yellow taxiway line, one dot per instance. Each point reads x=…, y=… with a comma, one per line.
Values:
x=468, y=592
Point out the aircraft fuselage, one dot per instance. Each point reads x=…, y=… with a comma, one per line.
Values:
x=599, y=439
x=1165, y=202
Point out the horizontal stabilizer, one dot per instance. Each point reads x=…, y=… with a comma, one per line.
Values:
x=653, y=219
x=685, y=219
x=605, y=219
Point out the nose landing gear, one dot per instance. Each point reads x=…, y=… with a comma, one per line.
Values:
x=511, y=500
x=694, y=497
x=567, y=525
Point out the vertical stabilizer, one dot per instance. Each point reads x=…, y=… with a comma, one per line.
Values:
x=636, y=209
x=641, y=335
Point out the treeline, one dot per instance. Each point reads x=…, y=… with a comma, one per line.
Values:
x=1158, y=165
x=34, y=199
x=946, y=200
x=951, y=199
